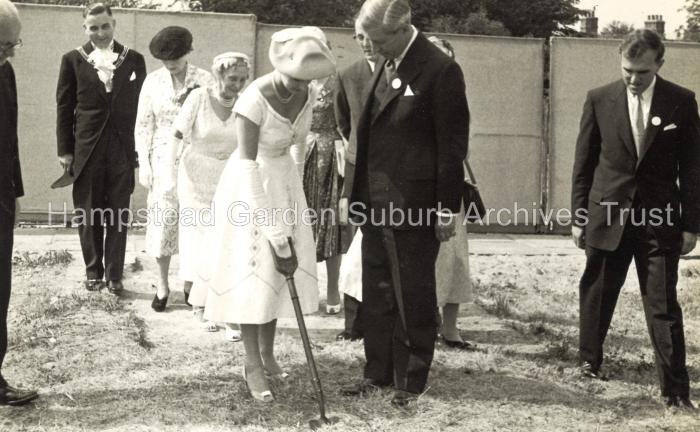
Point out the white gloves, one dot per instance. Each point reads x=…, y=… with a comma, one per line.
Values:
x=259, y=202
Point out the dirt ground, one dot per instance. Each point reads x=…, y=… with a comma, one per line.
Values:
x=106, y=364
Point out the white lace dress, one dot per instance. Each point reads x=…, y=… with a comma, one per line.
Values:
x=159, y=104
x=209, y=141
x=244, y=286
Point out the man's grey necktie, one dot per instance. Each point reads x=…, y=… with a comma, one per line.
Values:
x=640, y=126
x=389, y=71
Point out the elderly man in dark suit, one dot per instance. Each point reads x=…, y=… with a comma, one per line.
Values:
x=411, y=140
x=352, y=89
x=10, y=184
x=636, y=194
x=97, y=96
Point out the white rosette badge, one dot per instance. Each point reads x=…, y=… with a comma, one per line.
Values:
x=103, y=62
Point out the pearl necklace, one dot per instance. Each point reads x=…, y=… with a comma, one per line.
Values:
x=282, y=100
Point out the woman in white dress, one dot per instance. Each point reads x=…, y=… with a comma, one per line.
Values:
x=206, y=122
x=161, y=98
x=453, y=284
x=260, y=196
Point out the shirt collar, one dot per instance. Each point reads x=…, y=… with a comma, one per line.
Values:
x=414, y=35
x=372, y=65
x=647, y=94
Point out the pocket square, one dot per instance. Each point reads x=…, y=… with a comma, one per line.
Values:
x=408, y=91
x=133, y=76
x=670, y=127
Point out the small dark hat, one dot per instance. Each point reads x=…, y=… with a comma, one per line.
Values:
x=171, y=43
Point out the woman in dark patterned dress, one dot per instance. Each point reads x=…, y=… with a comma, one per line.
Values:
x=322, y=186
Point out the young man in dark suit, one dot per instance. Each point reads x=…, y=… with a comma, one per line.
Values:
x=97, y=98
x=636, y=194
x=411, y=140
x=352, y=89
x=10, y=184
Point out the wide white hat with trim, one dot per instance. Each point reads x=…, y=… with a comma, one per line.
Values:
x=302, y=53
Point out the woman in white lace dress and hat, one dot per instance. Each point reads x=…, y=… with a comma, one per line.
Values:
x=206, y=120
x=260, y=185
x=162, y=95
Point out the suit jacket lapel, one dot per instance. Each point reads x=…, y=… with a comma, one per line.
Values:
x=92, y=73
x=378, y=74
x=407, y=71
x=120, y=73
x=622, y=119
x=663, y=108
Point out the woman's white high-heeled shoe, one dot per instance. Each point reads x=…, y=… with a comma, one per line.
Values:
x=263, y=396
x=232, y=334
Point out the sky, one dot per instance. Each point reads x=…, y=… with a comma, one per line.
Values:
x=635, y=12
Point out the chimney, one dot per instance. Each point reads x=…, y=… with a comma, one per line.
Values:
x=656, y=23
x=588, y=23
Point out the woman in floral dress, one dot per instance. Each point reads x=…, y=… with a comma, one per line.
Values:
x=322, y=186
x=163, y=93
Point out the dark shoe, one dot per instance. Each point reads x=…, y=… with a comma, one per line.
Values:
x=115, y=287
x=347, y=336
x=403, y=398
x=363, y=388
x=461, y=345
x=16, y=397
x=589, y=371
x=158, y=304
x=93, y=284
x=679, y=403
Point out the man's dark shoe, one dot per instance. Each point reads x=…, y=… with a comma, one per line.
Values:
x=93, y=284
x=363, y=388
x=679, y=403
x=402, y=398
x=589, y=371
x=115, y=287
x=16, y=397
x=347, y=336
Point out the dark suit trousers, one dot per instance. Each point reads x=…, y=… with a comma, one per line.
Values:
x=351, y=308
x=657, y=270
x=7, y=223
x=101, y=197
x=392, y=352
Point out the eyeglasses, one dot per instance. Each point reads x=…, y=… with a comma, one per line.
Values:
x=360, y=37
x=11, y=45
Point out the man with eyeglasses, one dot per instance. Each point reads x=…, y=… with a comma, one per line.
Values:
x=411, y=140
x=10, y=184
x=97, y=98
x=349, y=99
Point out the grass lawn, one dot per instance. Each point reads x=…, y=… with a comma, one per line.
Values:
x=103, y=364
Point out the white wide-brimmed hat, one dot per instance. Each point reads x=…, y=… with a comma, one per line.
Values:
x=301, y=53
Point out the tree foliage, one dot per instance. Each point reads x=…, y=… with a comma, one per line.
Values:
x=616, y=30
x=691, y=30
x=493, y=17
x=111, y=3
x=538, y=18
x=476, y=23
x=334, y=13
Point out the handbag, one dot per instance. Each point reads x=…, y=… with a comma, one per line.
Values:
x=474, y=209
